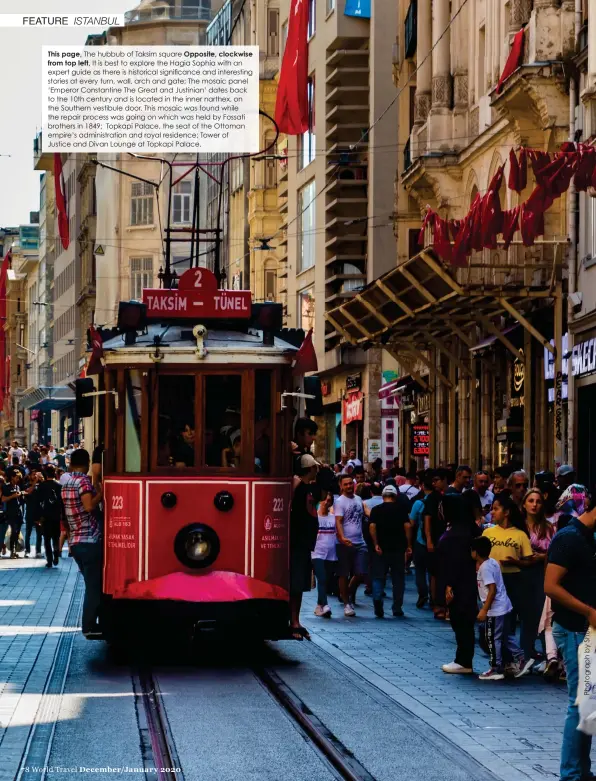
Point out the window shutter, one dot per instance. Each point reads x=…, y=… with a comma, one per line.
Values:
x=273, y=32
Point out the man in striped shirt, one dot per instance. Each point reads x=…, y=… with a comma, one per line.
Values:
x=80, y=502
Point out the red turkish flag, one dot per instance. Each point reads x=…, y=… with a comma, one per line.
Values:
x=291, y=108
x=61, y=201
x=96, y=361
x=306, y=357
x=515, y=59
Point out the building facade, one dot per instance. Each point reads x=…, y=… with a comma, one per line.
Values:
x=338, y=189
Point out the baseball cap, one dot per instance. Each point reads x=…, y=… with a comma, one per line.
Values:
x=389, y=490
x=306, y=461
x=565, y=469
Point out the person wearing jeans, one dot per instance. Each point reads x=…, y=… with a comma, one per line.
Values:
x=420, y=549
x=324, y=555
x=570, y=582
x=391, y=533
x=80, y=500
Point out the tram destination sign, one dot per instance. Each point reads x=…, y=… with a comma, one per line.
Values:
x=198, y=296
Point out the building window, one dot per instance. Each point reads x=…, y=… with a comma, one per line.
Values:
x=312, y=18
x=93, y=197
x=236, y=174
x=306, y=142
x=270, y=165
x=141, y=204
x=270, y=284
x=141, y=276
x=330, y=6
x=306, y=226
x=181, y=202
x=306, y=309
x=273, y=32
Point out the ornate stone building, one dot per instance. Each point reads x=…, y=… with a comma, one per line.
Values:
x=483, y=331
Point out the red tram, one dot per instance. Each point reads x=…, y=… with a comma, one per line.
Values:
x=197, y=463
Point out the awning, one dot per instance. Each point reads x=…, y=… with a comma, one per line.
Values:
x=492, y=339
x=423, y=303
x=388, y=389
x=46, y=399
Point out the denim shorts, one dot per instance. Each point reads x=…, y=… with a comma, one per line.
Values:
x=352, y=560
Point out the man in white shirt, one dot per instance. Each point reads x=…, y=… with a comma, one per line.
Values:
x=486, y=496
x=409, y=488
x=16, y=451
x=353, y=459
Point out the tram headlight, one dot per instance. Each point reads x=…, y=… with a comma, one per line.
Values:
x=169, y=500
x=196, y=546
x=224, y=501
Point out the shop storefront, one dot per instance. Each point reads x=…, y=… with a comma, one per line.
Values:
x=583, y=369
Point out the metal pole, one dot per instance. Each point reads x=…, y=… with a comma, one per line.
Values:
x=168, y=268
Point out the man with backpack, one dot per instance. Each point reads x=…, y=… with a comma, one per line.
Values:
x=51, y=512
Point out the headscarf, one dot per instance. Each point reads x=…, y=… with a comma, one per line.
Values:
x=573, y=500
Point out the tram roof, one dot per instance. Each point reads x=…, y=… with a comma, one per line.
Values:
x=176, y=343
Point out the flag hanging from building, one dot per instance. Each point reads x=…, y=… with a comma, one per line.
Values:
x=4, y=377
x=306, y=357
x=61, y=205
x=291, y=107
x=515, y=59
x=96, y=361
x=360, y=8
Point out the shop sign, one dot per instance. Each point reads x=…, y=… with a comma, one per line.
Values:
x=352, y=408
x=517, y=384
x=353, y=382
x=583, y=358
x=549, y=359
x=421, y=439
x=374, y=449
x=559, y=407
x=423, y=403
x=325, y=389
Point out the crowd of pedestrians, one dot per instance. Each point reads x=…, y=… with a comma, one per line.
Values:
x=508, y=563
x=51, y=492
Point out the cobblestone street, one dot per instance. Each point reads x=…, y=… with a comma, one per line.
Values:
x=513, y=728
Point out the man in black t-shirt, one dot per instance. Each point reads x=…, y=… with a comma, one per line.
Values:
x=570, y=582
x=12, y=497
x=434, y=527
x=391, y=533
x=304, y=527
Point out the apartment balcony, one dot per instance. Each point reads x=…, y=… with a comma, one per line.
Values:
x=351, y=76
x=356, y=112
x=42, y=161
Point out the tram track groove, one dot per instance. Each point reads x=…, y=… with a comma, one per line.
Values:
x=333, y=751
x=157, y=743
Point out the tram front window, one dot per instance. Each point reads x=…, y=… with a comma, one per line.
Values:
x=223, y=420
x=262, y=421
x=176, y=410
x=133, y=422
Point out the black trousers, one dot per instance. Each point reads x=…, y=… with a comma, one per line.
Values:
x=463, y=627
x=15, y=530
x=51, y=539
x=422, y=573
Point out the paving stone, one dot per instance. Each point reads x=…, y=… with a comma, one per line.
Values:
x=513, y=728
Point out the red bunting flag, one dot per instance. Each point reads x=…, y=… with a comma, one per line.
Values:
x=61, y=205
x=291, y=108
x=306, y=357
x=515, y=59
x=96, y=361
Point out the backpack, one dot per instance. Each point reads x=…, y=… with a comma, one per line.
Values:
x=50, y=502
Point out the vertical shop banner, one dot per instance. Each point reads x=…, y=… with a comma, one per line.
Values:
x=353, y=408
x=122, y=532
x=359, y=8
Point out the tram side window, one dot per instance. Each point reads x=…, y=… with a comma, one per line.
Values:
x=176, y=411
x=132, y=451
x=262, y=421
x=223, y=420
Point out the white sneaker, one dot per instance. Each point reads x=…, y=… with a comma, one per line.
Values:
x=326, y=611
x=319, y=610
x=456, y=669
x=349, y=610
x=491, y=675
